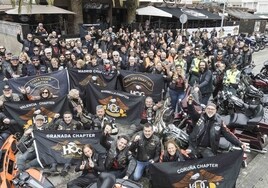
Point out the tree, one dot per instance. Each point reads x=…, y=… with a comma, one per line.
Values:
x=29, y=2
x=131, y=5
x=76, y=6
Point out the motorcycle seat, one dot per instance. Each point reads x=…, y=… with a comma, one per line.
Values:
x=236, y=120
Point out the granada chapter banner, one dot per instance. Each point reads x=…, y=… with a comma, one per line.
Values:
x=64, y=146
x=220, y=171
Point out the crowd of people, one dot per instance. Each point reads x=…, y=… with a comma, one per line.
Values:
x=200, y=60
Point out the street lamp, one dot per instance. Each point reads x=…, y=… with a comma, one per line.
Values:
x=223, y=12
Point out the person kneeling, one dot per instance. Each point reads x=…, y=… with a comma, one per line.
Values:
x=90, y=165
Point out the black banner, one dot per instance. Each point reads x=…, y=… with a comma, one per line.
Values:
x=23, y=111
x=79, y=79
x=142, y=84
x=220, y=171
x=124, y=107
x=64, y=146
x=57, y=82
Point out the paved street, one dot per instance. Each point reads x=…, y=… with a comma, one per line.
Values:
x=255, y=175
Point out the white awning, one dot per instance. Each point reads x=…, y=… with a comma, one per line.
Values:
x=152, y=11
x=39, y=9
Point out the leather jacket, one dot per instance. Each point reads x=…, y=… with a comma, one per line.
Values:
x=120, y=160
x=98, y=165
x=147, y=149
x=216, y=129
x=60, y=124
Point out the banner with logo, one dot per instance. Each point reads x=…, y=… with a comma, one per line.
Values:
x=64, y=146
x=124, y=107
x=220, y=171
x=23, y=111
x=143, y=84
x=56, y=82
x=79, y=79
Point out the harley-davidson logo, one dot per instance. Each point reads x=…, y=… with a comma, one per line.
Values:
x=144, y=84
x=69, y=149
x=114, y=107
x=202, y=179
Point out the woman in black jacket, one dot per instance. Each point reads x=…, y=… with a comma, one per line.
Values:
x=90, y=165
x=172, y=152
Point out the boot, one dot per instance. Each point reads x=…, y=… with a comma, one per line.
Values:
x=53, y=168
x=65, y=169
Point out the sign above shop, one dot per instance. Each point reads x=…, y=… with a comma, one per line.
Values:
x=96, y=6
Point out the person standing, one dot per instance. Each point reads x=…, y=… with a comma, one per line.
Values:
x=146, y=148
x=205, y=84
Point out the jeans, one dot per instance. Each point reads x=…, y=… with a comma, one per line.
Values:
x=141, y=166
x=175, y=97
x=28, y=156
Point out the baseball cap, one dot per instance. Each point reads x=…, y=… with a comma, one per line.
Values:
x=14, y=57
x=35, y=58
x=8, y=52
x=39, y=116
x=6, y=87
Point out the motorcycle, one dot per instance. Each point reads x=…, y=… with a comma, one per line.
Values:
x=31, y=178
x=260, y=42
x=252, y=43
x=246, y=125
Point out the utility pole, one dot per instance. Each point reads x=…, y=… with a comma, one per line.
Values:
x=223, y=12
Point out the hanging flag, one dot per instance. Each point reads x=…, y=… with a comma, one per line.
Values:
x=143, y=84
x=23, y=111
x=220, y=171
x=56, y=82
x=79, y=79
x=124, y=107
x=64, y=146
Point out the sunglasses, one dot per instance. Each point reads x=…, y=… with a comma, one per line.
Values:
x=45, y=92
x=36, y=50
x=35, y=59
x=115, y=55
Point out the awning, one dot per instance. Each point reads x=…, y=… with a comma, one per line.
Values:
x=3, y=8
x=177, y=12
x=210, y=15
x=152, y=11
x=242, y=15
x=193, y=14
x=39, y=9
x=262, y=16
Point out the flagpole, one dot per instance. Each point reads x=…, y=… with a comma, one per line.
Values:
x=223, y=12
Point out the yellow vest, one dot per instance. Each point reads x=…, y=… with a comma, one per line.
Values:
x=231, y=76
x=195, y=65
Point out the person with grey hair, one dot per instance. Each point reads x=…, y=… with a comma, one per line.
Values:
x=116, y=60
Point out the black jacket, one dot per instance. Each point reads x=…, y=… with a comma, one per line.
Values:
x=120, y=160
x=177, y=157
x=98, y=161
x=216, y=130
x=205, y=82
x=147, y=149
